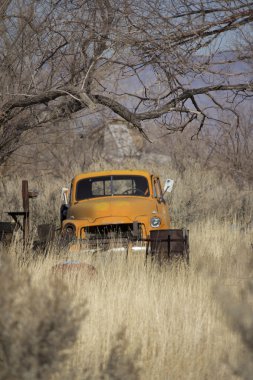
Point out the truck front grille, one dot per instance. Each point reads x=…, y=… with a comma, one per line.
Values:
x=111, y=231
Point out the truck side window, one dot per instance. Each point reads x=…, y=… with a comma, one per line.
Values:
x=155, y=189
x=70, y=193
x=159, y=189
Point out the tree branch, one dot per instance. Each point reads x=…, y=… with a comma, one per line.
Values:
x=188, y=94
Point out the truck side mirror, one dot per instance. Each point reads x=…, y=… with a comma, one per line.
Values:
x=168, y=186
x=64, y=195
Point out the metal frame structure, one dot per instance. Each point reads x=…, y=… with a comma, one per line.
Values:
x=25, y=214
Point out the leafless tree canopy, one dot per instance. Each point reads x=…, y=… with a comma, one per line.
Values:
x=143, y=60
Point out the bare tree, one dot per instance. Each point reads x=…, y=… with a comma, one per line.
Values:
x=231, y=148
x=154, y=59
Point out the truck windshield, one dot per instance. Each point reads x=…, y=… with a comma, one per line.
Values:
x=112, y=185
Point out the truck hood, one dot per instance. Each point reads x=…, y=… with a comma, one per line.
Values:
x=97, y=209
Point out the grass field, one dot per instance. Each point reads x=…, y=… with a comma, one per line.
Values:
x=146, y=322
x=143, y=322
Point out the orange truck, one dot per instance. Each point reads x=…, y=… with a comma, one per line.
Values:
x=125, y=203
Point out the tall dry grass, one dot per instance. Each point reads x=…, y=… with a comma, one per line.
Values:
x=147, y=322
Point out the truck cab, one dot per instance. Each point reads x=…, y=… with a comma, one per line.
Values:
x=129, y=203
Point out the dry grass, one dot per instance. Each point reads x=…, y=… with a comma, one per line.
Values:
x=147, y=322
x=174, y=325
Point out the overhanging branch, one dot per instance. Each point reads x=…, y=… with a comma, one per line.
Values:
x=188, y=94
x=82, y=100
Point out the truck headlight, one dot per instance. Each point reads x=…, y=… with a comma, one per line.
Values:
x=70, y=230
x=155, y=222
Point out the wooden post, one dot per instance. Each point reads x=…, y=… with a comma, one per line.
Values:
x=25, y=196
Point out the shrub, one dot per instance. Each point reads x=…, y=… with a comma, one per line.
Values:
x=38, y=325
x=239, y=313
x=121, y=365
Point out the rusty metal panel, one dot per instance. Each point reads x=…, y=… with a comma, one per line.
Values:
x=179, y=240
x=169, y=244
x=25, y=227
x=159, y=244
